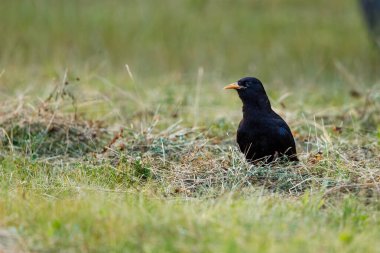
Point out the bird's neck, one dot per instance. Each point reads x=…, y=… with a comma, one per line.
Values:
x=259, y=106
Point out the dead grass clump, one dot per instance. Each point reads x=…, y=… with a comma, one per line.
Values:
x=343, y=145
x=45, y=132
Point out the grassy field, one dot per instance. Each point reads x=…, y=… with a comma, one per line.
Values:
x=116, y=135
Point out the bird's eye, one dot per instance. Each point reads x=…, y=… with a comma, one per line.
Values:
x=243, y=85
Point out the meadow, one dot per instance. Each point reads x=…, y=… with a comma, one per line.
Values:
x=116, y=134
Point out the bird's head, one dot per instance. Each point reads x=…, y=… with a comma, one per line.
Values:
x=251, y=91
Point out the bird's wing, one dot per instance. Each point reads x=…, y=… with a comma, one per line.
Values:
x=286, y=140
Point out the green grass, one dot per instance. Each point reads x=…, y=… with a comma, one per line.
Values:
x=98, y=158
x=123, y=222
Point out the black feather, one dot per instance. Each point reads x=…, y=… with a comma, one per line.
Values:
x=262, y=133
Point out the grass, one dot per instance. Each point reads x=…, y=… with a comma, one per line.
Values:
x=100, y=156
x=125, y=222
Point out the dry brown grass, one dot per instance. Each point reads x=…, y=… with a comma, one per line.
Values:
x=335, y=157
x=48, y=129
x=339, y=150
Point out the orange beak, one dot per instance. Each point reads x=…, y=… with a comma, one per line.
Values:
x=232, y=86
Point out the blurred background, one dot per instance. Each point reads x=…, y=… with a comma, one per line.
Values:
x=316, y=49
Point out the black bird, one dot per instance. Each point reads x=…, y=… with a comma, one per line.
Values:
x=262, y=134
